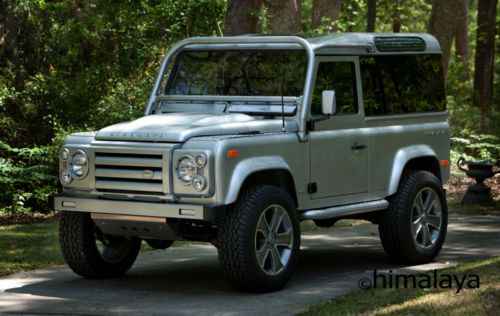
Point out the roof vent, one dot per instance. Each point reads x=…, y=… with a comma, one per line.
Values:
x=399, y=43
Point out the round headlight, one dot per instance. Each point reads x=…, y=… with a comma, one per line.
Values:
x=186, y=169
x=201, y=160
x=199, y=183
x=64, y=154
x=79, y=164
x=65, y=177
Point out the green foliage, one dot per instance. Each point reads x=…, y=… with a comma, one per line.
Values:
x=352, y=17
x=27, y=177
x=125, y=99
x=478, y=147
x=413, y=15
x=87, y=64
x=79, y=56
x=84, y=65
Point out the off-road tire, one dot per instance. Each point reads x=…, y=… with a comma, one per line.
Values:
x=78, y=245
x=395, y=222
x=237, y=243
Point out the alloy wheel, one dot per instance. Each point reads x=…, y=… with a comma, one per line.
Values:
x=274, y=240
x=426, y=218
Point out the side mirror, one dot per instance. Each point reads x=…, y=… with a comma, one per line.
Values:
x=328, y=102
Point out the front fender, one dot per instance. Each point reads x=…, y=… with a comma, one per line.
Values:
x=401, y=158
x=248, y=166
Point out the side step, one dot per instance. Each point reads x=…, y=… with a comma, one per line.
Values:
x=344, y=210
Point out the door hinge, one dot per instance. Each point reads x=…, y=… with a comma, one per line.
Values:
x=312, y=187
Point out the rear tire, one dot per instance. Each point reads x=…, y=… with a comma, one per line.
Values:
x=260, y=240
x=92, y=254
x=325, y=223
x=413, y=228
x=159, y=244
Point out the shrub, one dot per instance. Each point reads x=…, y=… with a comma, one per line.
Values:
x=479, y=147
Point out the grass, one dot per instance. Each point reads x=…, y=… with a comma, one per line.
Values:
x=484, y=300
x=36, y=245
x=455, y=206
x=29, y=246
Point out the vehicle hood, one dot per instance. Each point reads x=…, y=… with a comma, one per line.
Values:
x=179, y=127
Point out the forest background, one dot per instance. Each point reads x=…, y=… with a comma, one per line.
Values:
x=69, y=66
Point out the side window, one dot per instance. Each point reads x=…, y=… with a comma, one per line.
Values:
x=402, y=84
x=338, y=76
x=373, y=92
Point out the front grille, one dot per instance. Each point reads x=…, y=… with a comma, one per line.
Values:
x=130, y=173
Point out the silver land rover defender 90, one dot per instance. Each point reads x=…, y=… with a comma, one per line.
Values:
x=244, y=137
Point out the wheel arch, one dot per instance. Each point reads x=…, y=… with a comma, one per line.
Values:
x=418, y=157
x=269, y=170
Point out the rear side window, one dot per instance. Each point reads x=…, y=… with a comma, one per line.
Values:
x=402, y=84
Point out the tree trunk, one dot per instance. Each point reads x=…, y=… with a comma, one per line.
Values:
x=371, y=15
x=284, y=16
x=443, y=24
x=9, y=29
x=325, y=8
x=484, y=59
x=242, y=17
x=396, y=17
x=462, y=39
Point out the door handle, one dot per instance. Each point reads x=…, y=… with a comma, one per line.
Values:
x=356, y=146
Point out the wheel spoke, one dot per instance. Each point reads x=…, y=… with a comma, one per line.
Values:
x=429, y=202
x=284, y=239
x=274, y=217
x=417, y=231
x=262, y=256
x=417, y=221
x=420, y=202
x=263, y=227
x=416, y=213
x=434, y=221
x=276, y=259
x=276, y=220
x=426, y=235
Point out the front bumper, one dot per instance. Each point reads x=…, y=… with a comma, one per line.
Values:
x=137, y=208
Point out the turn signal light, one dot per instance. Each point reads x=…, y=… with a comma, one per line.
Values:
x=233, y=153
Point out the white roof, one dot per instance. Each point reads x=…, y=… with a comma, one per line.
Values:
x=369, y=39
x=334, y=43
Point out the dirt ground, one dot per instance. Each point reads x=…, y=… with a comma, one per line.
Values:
x=26, y=218
x=459, y=182
x=457, y=186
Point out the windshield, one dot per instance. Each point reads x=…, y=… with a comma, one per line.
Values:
x=238, y=73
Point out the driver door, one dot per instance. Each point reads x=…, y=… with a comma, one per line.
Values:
x=338, y=145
